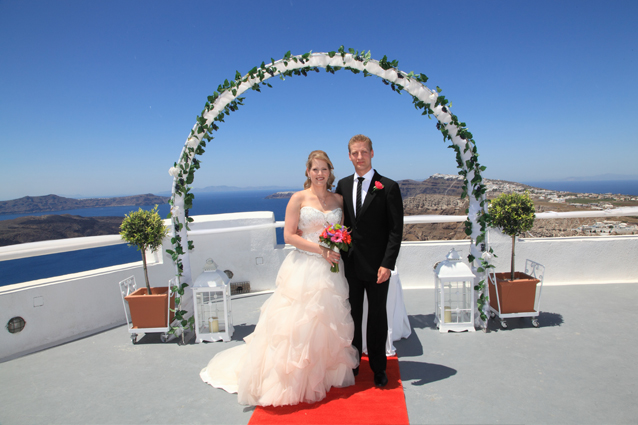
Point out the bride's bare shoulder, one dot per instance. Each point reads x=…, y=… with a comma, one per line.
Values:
x=298, y=198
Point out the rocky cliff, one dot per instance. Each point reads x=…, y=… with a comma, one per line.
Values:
x=431, y=186
x=35, y=204
x=425, y=204
x=46, y=227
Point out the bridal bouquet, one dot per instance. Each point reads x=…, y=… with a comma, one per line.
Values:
x=336, y=236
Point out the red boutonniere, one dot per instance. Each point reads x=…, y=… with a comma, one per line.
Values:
x=377, y=186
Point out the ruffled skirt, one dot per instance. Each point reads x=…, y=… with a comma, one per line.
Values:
x=301, y=346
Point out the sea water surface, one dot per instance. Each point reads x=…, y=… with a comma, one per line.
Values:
x=27, y=269
x=45, y=266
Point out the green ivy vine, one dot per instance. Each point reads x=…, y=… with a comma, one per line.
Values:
x=183, y=171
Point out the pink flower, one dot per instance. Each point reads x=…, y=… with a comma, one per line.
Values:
x=336, y=236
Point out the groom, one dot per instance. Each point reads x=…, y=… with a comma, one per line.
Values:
x=374, y=213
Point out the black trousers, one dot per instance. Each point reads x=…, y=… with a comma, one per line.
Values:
x=377, y=325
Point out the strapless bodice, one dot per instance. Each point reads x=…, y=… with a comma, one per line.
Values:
x=312, y=222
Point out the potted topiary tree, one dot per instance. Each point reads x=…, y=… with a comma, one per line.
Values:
x=513, y=214
x=146, y=231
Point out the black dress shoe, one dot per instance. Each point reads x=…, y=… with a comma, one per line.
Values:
x=380, y=379
x=355, y=371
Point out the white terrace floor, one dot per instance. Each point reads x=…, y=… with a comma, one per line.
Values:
x=579, y=367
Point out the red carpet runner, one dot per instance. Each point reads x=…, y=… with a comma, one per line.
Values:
x=362, y=403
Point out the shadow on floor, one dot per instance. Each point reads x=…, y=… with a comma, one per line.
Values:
x=420, y=373
x=422, y=321
x=242, y=331
x=545, y=319
x=411, y=346
x=154, y=338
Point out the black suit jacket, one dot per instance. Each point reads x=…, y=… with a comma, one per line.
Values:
x=376, y=231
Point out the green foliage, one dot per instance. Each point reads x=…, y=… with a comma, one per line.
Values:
x=513, y=213
x=386, y=64
x=204, y=129
x=143, y=229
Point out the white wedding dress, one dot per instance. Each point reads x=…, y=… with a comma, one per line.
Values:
x=301, y=346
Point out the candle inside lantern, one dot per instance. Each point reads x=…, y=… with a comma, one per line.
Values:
x=213, y=324
x=448, y=314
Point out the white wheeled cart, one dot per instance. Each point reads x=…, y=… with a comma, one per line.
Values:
x=127, y=287
x=536, y=271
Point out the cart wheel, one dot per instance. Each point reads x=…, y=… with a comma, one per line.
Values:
x=535, y=322
x=503, y=324
x=163, y=337
x=133, y=338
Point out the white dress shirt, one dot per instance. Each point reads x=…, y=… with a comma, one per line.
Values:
x=364, y=187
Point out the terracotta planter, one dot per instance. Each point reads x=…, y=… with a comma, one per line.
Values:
x=150, y=311
x=515, y=296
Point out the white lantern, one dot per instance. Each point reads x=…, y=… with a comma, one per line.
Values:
x=211, y=295
x=454, y=294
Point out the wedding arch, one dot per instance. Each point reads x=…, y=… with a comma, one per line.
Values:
x=227, y=99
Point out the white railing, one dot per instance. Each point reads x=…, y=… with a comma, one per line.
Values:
x=33, y=249
x=88, y=302
x=615, y=212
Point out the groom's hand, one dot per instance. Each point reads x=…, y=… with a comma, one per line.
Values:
x=383, y=274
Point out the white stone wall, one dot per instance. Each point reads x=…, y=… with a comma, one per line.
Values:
x=85, y=303
x=252, y=255
x=80, y=304
x=574, y=260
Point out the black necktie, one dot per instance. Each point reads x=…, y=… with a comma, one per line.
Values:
x=361, y=179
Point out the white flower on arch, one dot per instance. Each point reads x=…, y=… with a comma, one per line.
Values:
x=230, y=92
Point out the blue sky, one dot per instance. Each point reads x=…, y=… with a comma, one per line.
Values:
x=98, y=97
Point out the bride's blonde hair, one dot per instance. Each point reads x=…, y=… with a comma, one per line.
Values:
x=324, y=157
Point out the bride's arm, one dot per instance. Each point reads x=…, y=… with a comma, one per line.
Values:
x=290, y=229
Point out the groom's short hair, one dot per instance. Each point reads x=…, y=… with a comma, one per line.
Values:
x=360, y=138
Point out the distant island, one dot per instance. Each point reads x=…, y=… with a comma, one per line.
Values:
x=437, y=195
x=281, y=195
x=440, y=194
x=38, y=204
x=48, y=227
x=437, y=184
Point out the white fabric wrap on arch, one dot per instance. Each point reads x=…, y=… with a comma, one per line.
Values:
x=410, y=85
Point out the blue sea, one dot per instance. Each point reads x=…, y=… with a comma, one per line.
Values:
x=27, y=269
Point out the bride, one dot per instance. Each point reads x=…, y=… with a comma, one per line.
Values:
x=301, y=346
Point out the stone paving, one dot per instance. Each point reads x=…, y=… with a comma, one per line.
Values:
x=579, y=367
